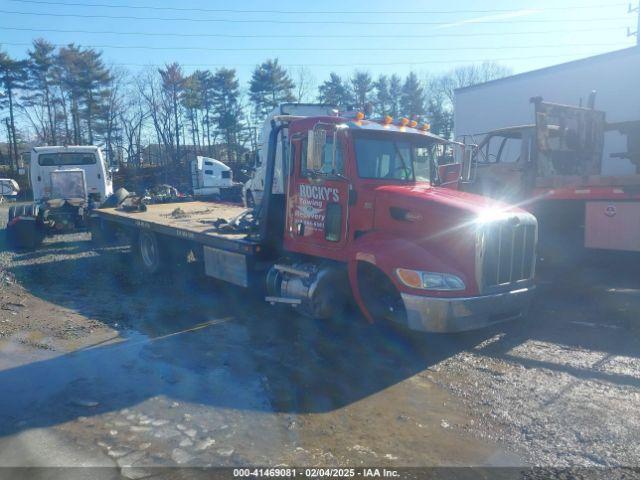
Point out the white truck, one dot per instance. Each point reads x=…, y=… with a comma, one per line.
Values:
x=212, y=178
x=68, y=182
x=254, y=187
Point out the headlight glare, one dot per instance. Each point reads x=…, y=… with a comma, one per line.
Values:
x=430, y=280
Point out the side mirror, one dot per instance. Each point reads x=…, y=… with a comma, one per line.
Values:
x=449, y=174
x=468, y=161
x=316, y=140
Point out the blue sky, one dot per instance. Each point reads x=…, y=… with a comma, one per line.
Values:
x=425, y=36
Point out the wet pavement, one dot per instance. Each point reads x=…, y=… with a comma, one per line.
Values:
x=100, y=366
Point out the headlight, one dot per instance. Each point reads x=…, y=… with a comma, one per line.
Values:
x=429, y=280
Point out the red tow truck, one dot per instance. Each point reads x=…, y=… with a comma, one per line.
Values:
x=370, y=213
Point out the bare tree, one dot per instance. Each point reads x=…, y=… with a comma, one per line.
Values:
x=133, y=117
x=469, y=75
x=305, y=85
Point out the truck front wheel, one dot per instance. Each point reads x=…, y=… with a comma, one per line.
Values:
x=150, y=252
x=380, y=296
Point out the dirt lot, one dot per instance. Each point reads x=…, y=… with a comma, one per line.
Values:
x=100, y=366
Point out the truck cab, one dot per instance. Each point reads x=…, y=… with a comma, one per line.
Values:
x=67, y=183
x=376, y=201
x=565, y=144
x=46, y=161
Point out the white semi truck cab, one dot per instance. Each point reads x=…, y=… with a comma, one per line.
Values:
x=212, y=178
x=68, y=182
x=46, y=161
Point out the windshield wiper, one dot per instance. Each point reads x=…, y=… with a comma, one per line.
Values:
x=404, y=163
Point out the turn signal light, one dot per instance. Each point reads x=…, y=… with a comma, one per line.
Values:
x=410, y=278
x=426, y=127
x=359, y=116
x=388, y=120
x=404, y=121
x=413, y=124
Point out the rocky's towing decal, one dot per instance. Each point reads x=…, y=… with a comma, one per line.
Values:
x=311, y=205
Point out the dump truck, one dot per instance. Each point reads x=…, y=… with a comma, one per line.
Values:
x=366, y=217
x=553, y=168
x=68, y=182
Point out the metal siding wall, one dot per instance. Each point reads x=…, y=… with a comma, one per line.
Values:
x=506, y=103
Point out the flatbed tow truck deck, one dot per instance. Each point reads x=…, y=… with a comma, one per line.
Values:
x=191, y=221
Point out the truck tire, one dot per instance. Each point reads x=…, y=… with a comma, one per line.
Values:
x=25, y=234
x=12, y=214
x=380, y=296
x=150, y=253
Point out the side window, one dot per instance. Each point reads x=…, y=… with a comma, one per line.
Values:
x=333, y=222
x=208, y=172
x=208, y=164
x=511, y=150
x=492, y=150
x=502, y=150
x=327, y=165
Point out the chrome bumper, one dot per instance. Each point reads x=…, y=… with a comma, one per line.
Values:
x=442, y=315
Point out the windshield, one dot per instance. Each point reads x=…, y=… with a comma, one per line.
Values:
x=66, y=158
x=396, y=158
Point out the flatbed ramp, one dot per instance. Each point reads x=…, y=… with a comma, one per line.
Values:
x=190, y=221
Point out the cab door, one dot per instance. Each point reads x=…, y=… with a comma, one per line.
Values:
x=501, y=162
x=318, y=195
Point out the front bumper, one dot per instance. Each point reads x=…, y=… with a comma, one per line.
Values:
x=446, y=315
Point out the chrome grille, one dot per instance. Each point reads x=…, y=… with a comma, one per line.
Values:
x=507, y=252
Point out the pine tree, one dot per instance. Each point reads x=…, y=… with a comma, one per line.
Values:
x=395, y=93
x=412, y=98
x=362, y=86
x=270, y=86
x=334, y=92
x=93, y=82
x=226, y=108
x=173, y=87
x=13, y=74
x=383, y=103
x=40, y=88
x=191, y=100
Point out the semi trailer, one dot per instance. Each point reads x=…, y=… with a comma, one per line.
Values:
x=364, y=215
x=68, y=182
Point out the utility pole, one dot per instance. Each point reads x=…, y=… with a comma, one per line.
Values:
x=635, y=10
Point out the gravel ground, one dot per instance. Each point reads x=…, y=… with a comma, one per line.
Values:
x=186, y=371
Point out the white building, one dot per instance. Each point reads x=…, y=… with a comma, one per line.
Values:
x=615, y=76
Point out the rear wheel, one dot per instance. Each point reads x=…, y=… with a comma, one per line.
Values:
x=27, y=233
x=12, y=214
x=150, y=253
